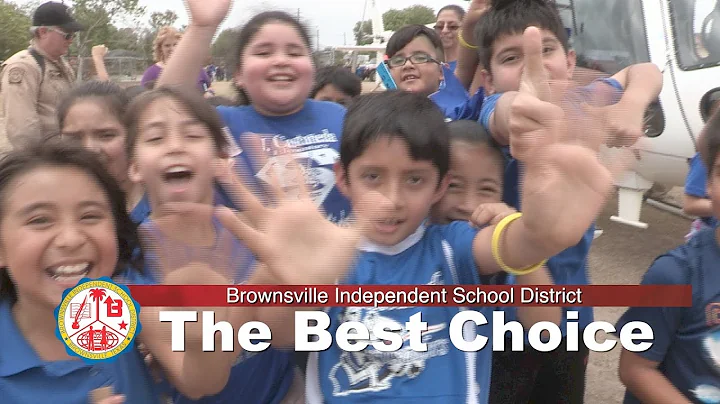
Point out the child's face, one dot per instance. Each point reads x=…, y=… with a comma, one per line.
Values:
x=475, y=177
x=507, y=62
x=276, y=71
x=409, y=186
x=175, y=154
x=96, y=128
x=422, y=78
x=333, y=94
x=57, y=228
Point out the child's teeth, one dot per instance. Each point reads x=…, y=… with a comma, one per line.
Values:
x=177, y=169
x=71, y=269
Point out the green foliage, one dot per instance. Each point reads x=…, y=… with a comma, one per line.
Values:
x=14, y=29
x=393, y=20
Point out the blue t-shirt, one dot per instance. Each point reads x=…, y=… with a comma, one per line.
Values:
x=696, y=183
x=451, y=94
x=687, y=339
x=26, y=378
x=452, y=65
x=314, y=132
x=570, y=266
x=433, y=255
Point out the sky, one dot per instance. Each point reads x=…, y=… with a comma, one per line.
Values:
x=333, y=20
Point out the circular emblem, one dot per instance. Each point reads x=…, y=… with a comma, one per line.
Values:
x=97, y=320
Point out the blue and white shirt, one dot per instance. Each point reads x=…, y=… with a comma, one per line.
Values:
x=435, y=255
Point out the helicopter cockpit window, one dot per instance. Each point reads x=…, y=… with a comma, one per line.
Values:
x=608, y=35
x=696, y=24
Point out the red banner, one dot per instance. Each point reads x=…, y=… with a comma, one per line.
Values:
x=408, y=295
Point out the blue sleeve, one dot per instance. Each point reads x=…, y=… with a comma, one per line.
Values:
x=664, y=321
x=487, y=110
x=469, y=109
x=585, y=93
x=460, y=236
x=695, y=183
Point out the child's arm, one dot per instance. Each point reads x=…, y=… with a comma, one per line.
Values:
x=492, y=214
x=695, y=206
x=642, y=84
x=98, y=57
x=646, y=382
x=467, y=63
x=194, y=47
x=639, y=371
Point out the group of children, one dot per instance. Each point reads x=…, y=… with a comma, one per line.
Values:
x=415, y=186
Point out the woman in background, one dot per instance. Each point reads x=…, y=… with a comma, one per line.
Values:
x=163, y=46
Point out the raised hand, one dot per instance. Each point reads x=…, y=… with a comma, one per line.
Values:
x=565, y=184
x=99, y=51
x=292, y=237
x=208, y=13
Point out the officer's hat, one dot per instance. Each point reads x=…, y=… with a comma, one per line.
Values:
x=52, y=14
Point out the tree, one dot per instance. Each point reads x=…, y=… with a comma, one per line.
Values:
x=14, y=29
x=165, y=19
x=98, y=17
x=363, y=37
x=393, y=20
x=224, y=45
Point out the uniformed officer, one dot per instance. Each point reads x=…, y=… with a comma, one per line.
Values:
x=34, y=81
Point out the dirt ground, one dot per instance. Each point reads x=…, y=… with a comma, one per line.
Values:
x=619, y=257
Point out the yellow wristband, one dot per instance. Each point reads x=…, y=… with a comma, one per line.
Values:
x=497, y=235
x=463, y=43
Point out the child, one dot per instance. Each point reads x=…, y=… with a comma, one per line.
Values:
x=682, y=364
x=92, y=115
x=475, y=179
x=396, y=144
x=415, y=59
x=336, y=84
x=557, y=376
x=60, y=206
x=275, y=72
x=176, y=144
x=696, y=201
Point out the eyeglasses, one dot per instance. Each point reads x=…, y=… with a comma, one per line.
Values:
x=416, y=59
x=450, y=27
x=67, y=35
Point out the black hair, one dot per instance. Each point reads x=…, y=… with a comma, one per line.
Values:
x=474, y=133
x=191, y=99
x=62, y=154
x=249, y=30
x=408, y=33
x=453, y=7
x=709, y=143
x=113, y=97
x=512, y=17
x=397, y=114
x=339, y=77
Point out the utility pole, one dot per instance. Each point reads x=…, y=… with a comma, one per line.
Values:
x=298, y=14
x=317, y=39
x=345, y=38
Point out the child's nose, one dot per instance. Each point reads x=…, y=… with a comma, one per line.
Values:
x=70, y=237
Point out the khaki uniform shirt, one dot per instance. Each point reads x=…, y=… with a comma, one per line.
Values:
x=28, y=102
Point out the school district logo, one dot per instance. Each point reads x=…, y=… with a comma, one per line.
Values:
x=97, y=320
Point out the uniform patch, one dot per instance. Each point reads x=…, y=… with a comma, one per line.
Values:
x=15, y=75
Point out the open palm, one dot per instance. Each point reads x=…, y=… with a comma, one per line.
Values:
x=292, y=237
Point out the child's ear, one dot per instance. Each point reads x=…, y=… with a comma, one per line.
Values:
x=341, y=179
x=487, y=82
x=238, y=78
x=571, y=62
x=134, y=173
x=441, y=189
